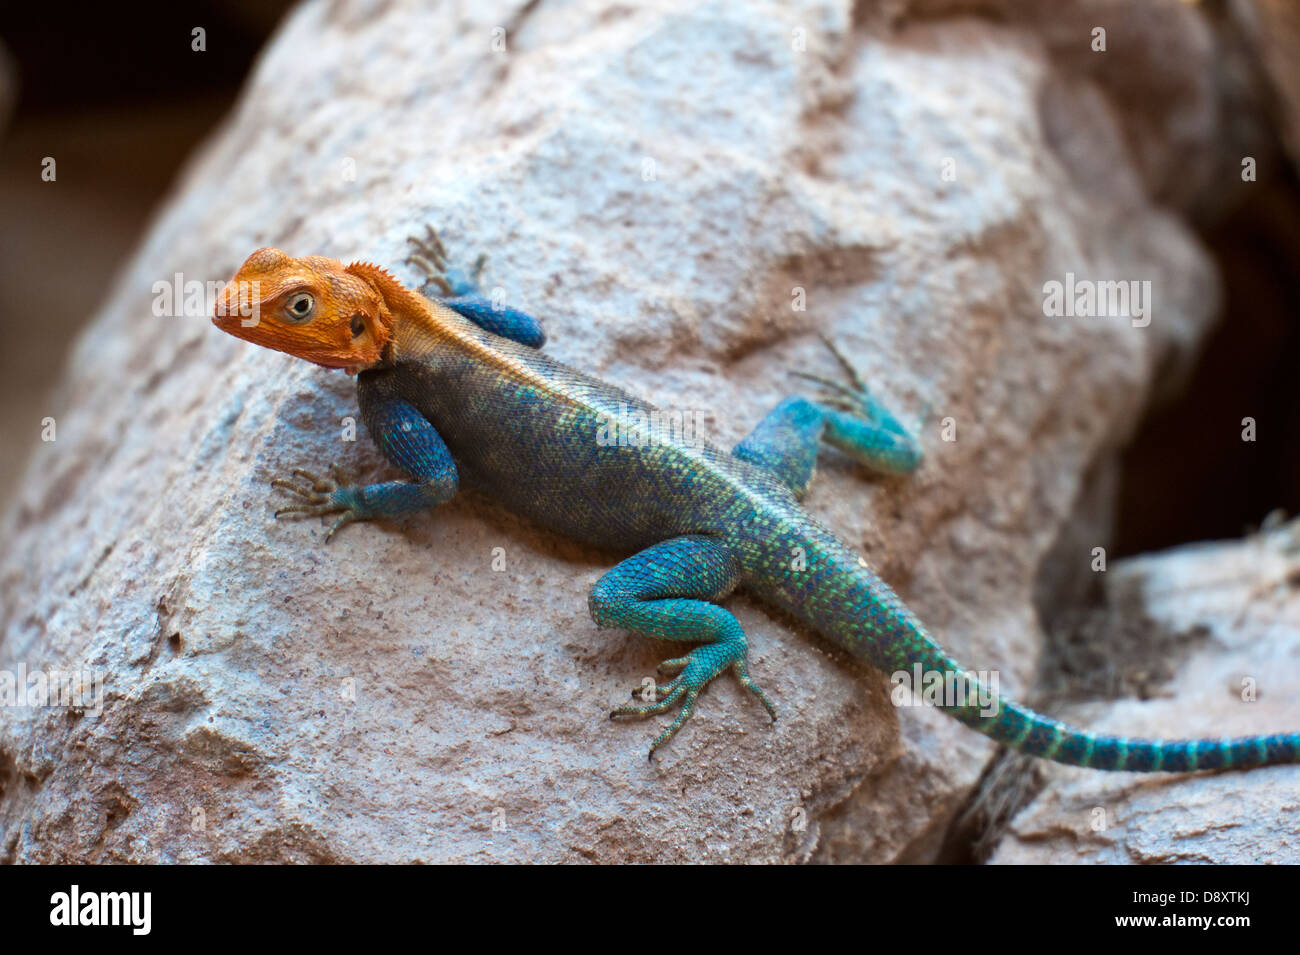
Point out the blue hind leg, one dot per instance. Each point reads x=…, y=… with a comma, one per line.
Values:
x=668, y=591
x=460, y=292
x=848, y=417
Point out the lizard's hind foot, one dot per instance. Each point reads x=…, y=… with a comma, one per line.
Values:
x=667, y=591
x=854, y=398
x=858, y=424
x=697, y=668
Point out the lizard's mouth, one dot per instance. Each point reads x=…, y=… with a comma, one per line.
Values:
x=266, y=334
x=236, y=312
x=227, y=323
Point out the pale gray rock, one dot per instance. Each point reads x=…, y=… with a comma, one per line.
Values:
x=655, y=181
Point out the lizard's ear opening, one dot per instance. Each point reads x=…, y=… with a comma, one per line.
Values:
x=369, y=323
x=368, y=331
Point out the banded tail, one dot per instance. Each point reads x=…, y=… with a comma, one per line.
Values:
x=1029, y=732
x=850, y=604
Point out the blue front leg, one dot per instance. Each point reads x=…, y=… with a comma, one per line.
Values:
x=407, y=439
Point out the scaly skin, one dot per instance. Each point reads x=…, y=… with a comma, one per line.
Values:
x=452, y=388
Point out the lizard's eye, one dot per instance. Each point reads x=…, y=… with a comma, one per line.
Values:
x=300, y=307
x=358, y=325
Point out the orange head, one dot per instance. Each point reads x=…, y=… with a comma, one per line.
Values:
x=313, y=308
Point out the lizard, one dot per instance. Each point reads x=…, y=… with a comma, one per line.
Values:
x=453, y=388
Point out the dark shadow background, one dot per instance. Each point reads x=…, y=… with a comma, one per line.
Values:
x=1187, y=475
x=116, y=95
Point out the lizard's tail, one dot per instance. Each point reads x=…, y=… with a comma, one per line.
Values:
x=1029, y=732
x=848, y=603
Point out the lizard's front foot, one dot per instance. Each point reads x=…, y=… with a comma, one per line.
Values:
x=323, y=495
x=694, y=671
x=429, y=256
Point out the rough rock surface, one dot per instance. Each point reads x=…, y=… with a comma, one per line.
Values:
x=1245, y=598
x=654, y=181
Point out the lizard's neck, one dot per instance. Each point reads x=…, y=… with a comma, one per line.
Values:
x=413, y=324
x=403, y=310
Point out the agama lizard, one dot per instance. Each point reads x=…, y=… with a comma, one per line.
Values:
x=453, y=388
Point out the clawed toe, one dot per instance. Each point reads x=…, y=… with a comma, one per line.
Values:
x=648, y=709
x=849, y=368
x=675, y=665
x=854, y=398
x=429, y=256
x=317, y=489
x=316, y=494
x=742, y=673
x=836, y=394
x=319, y=497
x=310, y=510
x=293, y=488
x=688, y=707
x=660, y=691
x=431, y=245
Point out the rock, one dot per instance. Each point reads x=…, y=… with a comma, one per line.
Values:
x=1272, y=27
x=658, y=184
x=1244, y=594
